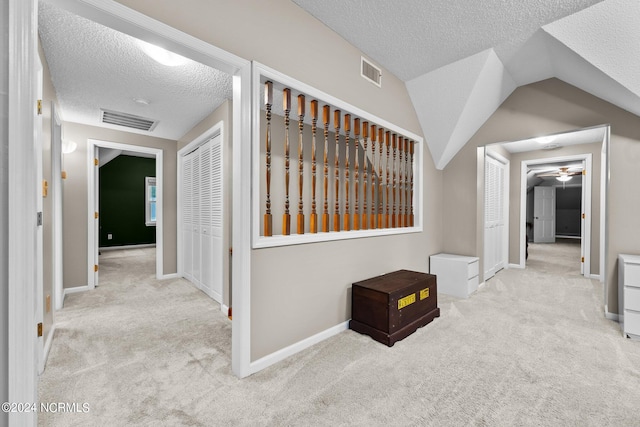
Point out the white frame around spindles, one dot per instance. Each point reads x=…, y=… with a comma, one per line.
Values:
x=261, y=72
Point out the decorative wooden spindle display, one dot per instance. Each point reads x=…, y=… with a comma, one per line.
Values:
x=411, y=185
x=407, y=171
x=326, y=111
x=395, y=183
x=373, y=178
x=286, y=106
x=365, y=177
x=336, y=208
x=380, y=179
x=313, y=219
x=400, y=220
x=387, y=140
x=301, y=111
x=347, y=180
x=356, y=174
x=268, y=101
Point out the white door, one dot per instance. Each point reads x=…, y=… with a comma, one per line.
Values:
x=215, y=260
x=187, y=216
x=544, y=214
x=195, y=211
x=39, y=283
x=494, y=250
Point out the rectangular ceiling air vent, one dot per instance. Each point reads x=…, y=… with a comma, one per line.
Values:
x=127, y=120
x=371, y=72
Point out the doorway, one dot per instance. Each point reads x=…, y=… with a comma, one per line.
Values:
x=93, y=147
x=544, y=206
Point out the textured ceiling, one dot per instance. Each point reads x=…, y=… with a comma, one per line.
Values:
x=460, y=59
x=413, y=37
x=94, y=67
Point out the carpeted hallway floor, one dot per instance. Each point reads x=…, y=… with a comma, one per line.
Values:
x=530, y=348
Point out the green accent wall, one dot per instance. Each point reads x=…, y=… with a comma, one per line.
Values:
x=122, y=201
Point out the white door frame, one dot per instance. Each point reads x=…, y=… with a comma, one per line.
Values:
x=23, y=194
x=56, y=193
x=585, y=242
x=92, y=230
x=121, y=18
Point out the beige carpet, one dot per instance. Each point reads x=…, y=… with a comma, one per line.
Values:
x=531, y=348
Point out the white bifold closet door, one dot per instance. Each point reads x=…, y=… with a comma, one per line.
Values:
x=494, y=224
x=202, y=217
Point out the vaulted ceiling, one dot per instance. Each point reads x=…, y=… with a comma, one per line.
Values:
x=460, y=60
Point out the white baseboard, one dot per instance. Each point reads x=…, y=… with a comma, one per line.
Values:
x=481, y=285
x=116, y=248
x=224, y=309
x=286, y=352
x=170, y=276
x=516, y=266
x=47, y=347
x=73, y=290
x=595, y=277
x=611, y=316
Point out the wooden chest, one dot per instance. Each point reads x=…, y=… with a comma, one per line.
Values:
x=391, y=307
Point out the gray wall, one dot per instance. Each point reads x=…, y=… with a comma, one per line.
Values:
x=222, y=113
x=4, y=205
x=293, y=296
x=546, y=107
x=75, y=197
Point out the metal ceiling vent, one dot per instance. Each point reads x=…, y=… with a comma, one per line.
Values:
x=370, y=72
x=127, y=120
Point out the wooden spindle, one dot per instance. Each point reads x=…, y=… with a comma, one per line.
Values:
x=407, y=171
x=347, y=180
x=326, y=111
x=356, y=174
x=336, y=208
x=411, y=223
x=381, y=179
x=400, y=220
x=373, y=215
x=365, y=178
x=286, y=106
x=393, y=171
x=313, y=219
x=301, y=111
x=268, y=101
x=387, y=140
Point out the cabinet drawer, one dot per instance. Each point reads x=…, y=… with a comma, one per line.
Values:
x=632, y=298
x=473, y=270
x=632, y=275
x=631, y=322
x=472, y=285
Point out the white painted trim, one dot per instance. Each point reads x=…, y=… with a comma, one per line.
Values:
x=23, y=192
x=481, y=285
x=170, y=276
x=241, y=213
x=520, y=266
x=76, y=289
x=586, y=204
x=92, y=238
x=56, y=193
x=595, y=277
x=259, y=241
x=128, y=21
x=47, y=348
x=117, y=248
x=224, y=309
x=289, y=351
x=611, y=316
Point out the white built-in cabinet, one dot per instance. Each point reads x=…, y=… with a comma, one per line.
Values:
x=629, y=295
x=201, y=206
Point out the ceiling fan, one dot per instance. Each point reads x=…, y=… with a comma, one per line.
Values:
x=563, y=174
